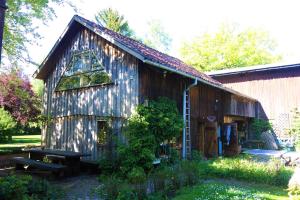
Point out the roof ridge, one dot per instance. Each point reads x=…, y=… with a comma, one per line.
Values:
x=149, y=52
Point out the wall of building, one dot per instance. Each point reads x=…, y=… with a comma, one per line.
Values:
x=78, y=109
x=155, y=82
x=278, y=92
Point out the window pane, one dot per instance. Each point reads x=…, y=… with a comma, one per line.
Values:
x=83, y=70
x=102, y=133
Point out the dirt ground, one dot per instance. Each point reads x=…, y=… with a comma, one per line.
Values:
x=79, y=187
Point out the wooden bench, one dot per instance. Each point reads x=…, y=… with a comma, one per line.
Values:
x=56, y=159
x=56, y=168
x=89, y=166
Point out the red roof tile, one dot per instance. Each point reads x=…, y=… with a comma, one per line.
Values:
x=148, y=52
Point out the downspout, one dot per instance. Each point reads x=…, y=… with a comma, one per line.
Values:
x=184, y=119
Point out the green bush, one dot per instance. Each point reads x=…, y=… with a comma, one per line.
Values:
x=24, y=187
x=7, y=124
x=137, y=175
x=109, y=165
x=149, y=127
x=168, y=179
x=114, y=187
x=163, y=118
x=174, y=156
x=197, y=155
x=258, y=126
x=138, y=179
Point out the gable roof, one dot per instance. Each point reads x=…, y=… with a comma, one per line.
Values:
x=251, y=69
x=137, y=49
x=141, y=51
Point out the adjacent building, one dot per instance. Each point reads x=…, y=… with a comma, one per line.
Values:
x=276, y=88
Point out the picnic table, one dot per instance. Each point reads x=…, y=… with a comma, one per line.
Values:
x=61, y=162
x=70, y=159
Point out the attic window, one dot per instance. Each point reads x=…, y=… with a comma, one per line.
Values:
x=84, y=70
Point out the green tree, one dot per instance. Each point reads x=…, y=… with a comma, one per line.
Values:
x=113, y=20
x=20, y=29
x=38, y=87
x=230, y=48
x=156, y=37
x=7, y=124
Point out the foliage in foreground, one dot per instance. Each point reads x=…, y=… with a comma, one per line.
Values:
x=151, y=125
x=24, y=187
x=219, y=190
x=246, y=169
x=166, y=180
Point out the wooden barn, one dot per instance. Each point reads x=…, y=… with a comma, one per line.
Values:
x=94, y=78
x=276, y=88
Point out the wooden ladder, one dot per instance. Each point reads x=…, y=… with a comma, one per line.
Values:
x=188, y=125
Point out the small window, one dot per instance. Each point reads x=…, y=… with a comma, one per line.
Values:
x=103, y=133
x=84, y=70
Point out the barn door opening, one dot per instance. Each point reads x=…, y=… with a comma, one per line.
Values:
x=210, y=140
x=104, y=139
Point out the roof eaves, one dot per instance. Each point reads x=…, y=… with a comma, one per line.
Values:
x=250, y=69
x=54, y=47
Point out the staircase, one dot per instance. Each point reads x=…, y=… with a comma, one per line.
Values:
x=187, y=124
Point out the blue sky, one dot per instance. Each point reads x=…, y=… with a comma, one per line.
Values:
x=186, y=19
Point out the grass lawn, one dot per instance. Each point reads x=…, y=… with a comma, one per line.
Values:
x=224, y=189
x=19, y=142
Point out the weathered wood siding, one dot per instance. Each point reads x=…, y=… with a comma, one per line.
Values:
x=74, y=112
x=154, y=83
x=239, y=106
x=208, y=101
x=205, y=101
x=277, y=91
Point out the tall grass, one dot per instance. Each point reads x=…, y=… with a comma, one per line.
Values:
x=247, y=169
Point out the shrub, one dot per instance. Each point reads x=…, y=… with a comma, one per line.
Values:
x=113, y=187
x=109, y=165
x=168, y=179
x=24, y=187
x=147, y=129
x=174, y=156
x=138, y=178
x=258, y=126
x=7, y=124
x=163, y=118
x=197, y=155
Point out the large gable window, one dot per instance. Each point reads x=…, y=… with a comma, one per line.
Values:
x=84, y=70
